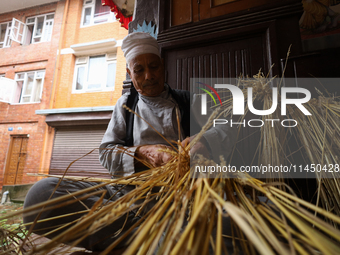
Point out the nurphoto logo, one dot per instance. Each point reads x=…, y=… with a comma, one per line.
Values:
x=238, y=99
x=239, y=104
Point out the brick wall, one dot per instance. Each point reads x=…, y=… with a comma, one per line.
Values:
x=75, y=34
x=18, y=58
x=64, y=98
x=35, y=130
x=21, y=118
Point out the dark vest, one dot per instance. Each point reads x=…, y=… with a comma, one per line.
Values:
x=182, y=98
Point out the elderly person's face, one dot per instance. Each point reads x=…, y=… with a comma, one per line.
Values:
x=147, y=74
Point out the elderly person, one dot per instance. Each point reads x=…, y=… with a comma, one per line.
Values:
x=129, y=139
x=156, y=103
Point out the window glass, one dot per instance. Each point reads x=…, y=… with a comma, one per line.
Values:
x=95, y=73
x=38, y=85
x=17, y=30
x=17, y=94
x=50, y=16
x=21, y=76
x=29, y=32
x=101, y=13
x=40, y=74
x=80, y=78
x=3, y=28
x=29, y=86
x=48, y=31
x=30, y=20
x=87, y=16
x=25, y=99
x=94, y=13
x=39, y=29
x=111, y=75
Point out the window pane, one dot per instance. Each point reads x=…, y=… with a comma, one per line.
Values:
x=15, y=31
x=40, y=74
x=80, y=78
x=28, y=36
x=87, y=16
x=36, y=96
x=111, y=75
x=25, y=99
x=30, y=20
x=8, y=41
x=21, y=31
x=18, y=90
x=40, y=25
x=101, y=13
x=20, y=76
x=29, y=84
x=48, y=31
x=50, y=16
x=95, y=71
x=3, y=29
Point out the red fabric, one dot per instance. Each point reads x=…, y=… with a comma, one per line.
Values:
x=119, y=15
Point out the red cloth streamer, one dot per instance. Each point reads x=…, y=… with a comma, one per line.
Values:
x=119, y=15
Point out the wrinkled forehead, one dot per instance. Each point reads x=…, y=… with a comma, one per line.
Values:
x=144, y=59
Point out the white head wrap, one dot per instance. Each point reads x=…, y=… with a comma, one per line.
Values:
x=139, y=43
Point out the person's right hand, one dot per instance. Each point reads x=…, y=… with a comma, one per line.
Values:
x=153, y=155
x=199, y=148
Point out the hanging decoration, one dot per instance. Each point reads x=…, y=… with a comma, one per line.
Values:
x=122, y=15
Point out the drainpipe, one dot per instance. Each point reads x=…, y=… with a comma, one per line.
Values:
x=61, y=40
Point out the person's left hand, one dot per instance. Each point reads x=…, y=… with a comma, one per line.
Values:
x=153, y=154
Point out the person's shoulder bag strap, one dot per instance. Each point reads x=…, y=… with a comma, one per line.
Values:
x=129, y=116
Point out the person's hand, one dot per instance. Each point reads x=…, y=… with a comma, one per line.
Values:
x=199, y=148
x=153, y=154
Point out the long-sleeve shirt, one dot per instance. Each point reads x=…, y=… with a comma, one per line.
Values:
x=160, y=113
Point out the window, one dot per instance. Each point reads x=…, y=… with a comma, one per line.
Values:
x=95, y=73
x=29, y=86
x=36, y=29
x=7, y=89
x=39, y=28
x=94, y=13
x=5, y=30
x=17, y=30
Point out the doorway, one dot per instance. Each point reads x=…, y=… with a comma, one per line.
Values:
x=16, y=160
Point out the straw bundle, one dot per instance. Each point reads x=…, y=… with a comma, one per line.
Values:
x=239, y=214
x=319, y=136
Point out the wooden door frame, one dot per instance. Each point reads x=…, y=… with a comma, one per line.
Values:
x=9, y=153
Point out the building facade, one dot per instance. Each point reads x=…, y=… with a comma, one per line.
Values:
x=61, y=71
x=29, y=41
x=90, y=71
